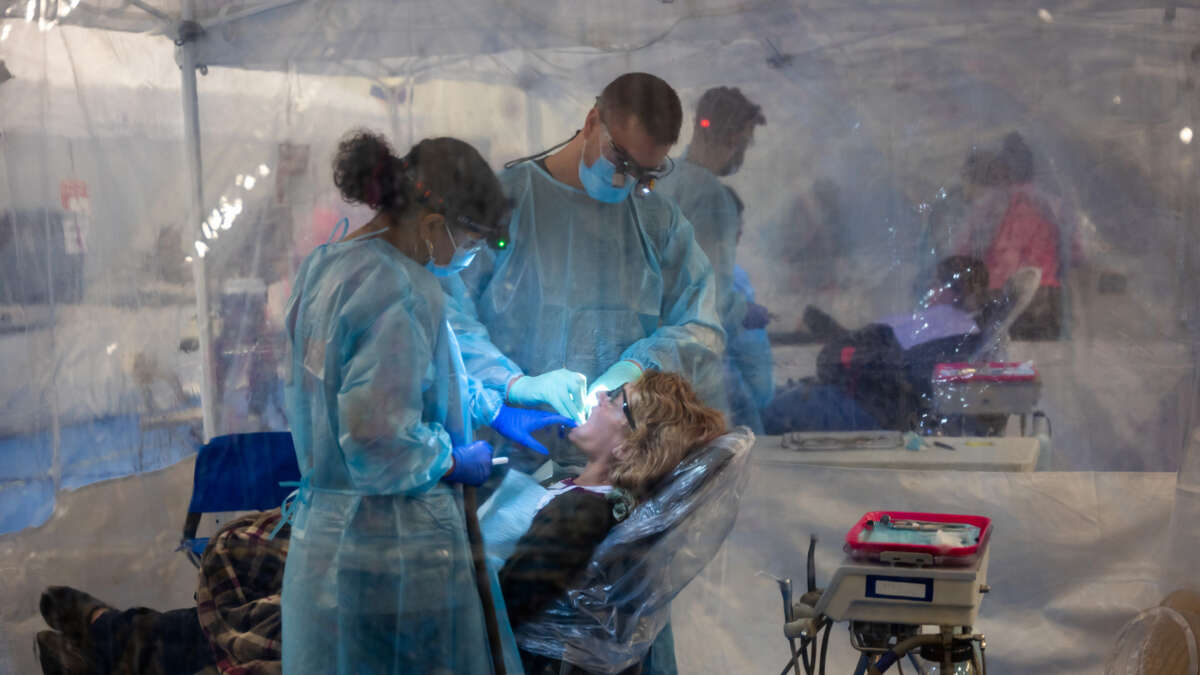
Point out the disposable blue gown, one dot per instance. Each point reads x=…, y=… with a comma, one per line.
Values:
x=749, y=365
x=584, y=284
x=708, y=206
x=379, y=576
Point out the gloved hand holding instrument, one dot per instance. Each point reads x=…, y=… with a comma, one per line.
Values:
x=619, y=373
x=516, y=424
x=472, y=464
x=561, y=389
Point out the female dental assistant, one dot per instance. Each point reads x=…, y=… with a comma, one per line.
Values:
x=379, y=575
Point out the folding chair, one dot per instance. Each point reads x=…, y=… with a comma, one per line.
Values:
x=1018, y=293
x=238, y=472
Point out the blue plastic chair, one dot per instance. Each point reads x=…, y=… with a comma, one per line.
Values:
x=238, y=472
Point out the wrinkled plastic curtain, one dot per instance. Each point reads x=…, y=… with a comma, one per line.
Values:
x=855, y=188
x=101, y=336
x=99, y=359
x=101, y=340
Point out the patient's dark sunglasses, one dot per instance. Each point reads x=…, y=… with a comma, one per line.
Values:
x=620, y=391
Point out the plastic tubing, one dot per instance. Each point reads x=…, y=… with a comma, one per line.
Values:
x=903, y=647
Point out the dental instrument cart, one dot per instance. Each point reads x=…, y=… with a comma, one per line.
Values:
x=909, y=587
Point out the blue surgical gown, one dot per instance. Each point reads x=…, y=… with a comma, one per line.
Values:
x=708, y=206
x=379, y=577
x=749, y=365
x=584, y=284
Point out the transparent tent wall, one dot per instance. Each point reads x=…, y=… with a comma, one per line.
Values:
x=853, y=191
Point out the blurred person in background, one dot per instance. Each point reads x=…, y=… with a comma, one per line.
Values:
x=1011, y=223
x=723, y=132
x=749, y=369
x=879, y=376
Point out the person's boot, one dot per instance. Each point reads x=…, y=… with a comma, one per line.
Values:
x=58, y=655
x=69, y=611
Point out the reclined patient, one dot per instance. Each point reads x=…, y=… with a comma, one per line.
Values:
x=879, y=376
x=636, y=435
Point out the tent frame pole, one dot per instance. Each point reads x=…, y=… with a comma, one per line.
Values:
x=186, y=57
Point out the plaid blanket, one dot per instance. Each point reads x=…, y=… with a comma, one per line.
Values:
x=237, y=599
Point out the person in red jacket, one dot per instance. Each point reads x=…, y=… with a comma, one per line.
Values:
x=1014, y=224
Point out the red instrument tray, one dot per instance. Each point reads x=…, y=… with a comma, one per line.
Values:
x=963, y=555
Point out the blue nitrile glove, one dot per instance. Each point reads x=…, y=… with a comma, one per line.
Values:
x=472, y=464
x=617, y=374
x=517, y=423
x=561, y=389
x=757, y=316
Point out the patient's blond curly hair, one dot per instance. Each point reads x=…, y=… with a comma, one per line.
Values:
x=671, y=422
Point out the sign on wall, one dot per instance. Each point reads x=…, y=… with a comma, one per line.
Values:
x=74, y=195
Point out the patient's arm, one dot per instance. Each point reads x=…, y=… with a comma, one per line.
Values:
x=556, y=548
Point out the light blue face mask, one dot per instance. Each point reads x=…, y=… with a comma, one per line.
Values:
x=597, y=179
x=460, y=261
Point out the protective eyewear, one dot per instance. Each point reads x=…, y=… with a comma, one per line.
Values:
x=626, y=166
x=471, y=244
x=497, y=237
x=620, y=391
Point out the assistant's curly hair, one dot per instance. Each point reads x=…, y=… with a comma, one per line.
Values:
x=445, y=175
x=671, y=423
x=366, y=171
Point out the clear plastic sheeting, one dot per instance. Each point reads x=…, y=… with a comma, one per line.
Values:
x=623, y=598
x=104, y=365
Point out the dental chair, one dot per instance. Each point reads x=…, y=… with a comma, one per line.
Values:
x=1015, y=299
x=824, y=404
x=608, y=621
